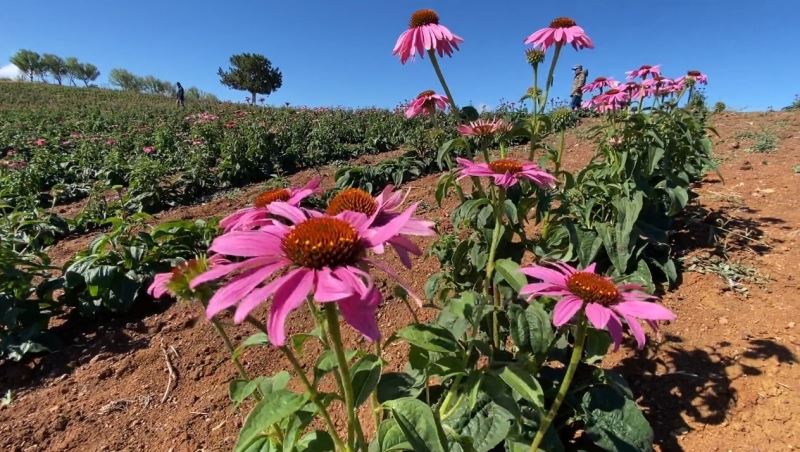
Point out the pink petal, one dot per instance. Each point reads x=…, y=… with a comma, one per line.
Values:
x=231, y=293
x=598, y=315
x=247, y=244
x=546, y=274
x=565, y=310
x=644, y=310
x=289, y=295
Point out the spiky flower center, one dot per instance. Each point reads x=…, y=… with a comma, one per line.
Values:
x=694, y=73
x=323, y=242
x=423, y=17
x=645, y=67
x=354, y=200
x=612, y=91
x=600, y=79
x=506, y=166
x=562, y=22
x=534, y=56
x=426, y=93
x=593, y=288
x=270, y=196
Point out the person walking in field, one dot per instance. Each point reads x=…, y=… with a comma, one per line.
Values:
x=577, y=83
x=179, y=95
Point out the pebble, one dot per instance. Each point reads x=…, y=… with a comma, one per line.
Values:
x=723, y=320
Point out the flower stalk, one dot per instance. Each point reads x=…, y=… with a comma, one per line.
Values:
x=435, y=63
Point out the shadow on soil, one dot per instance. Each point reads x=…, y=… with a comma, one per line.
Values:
x=81, y=340
x=673, y=384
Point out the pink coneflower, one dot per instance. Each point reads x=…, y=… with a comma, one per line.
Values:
x=40, y=142
x=644, y=71
x=611, y=100
x=256, y=216
x=697, y=76
x=381, y=210
x=426, y=103
x=599, y=83
x=507, y=172
x=424, y=34
x=484, y=128
x=319, y=256
x=562, y=30
x=149, y=150
x=604, y=302
x=111, y=142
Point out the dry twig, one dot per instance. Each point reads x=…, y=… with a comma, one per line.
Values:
x=173, y=377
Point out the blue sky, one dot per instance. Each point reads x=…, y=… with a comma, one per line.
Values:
x=338, y=52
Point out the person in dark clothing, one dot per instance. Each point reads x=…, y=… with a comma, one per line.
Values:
x=179, y=95
x=577, y=84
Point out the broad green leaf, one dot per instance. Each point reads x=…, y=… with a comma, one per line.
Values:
x=523, y=383
x=486, y=422
x=614, y=422
x=265, y=414
x=365, y=375
x=597, y=343
x=395, y=385
x=418, y=424
x=531, y=329
x=509, y=270
x=316, y=441
x=429, y=337
x=390, y=438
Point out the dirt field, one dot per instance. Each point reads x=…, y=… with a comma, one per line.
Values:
x=724, y=376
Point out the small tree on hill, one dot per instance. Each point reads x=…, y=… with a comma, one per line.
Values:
x=27, y=61
x=55, y=66
x=253, y=73
x=74, y=68
x=125, y=80
x=88, y=73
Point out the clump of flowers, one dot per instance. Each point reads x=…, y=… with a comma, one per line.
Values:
x=598, y=84
x=644, y=71
x=256, y=216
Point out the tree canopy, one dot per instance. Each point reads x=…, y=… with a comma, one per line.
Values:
x=253, y=73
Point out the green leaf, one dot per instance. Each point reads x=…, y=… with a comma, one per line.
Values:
x=531, y=329
x=327, y=362
x=597, y=343
x=256, y=339
x=520, y=380
x=390, y=438
x=316, y=441
x=395, y=385
x=614, y=422
x=418, y=424
x=509, y=270
x=486, y=422
x=265, y=414
x=365, y=375
x=429, y=337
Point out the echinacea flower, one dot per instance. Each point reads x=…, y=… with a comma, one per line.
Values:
x=381, y=210
x=257, y=215
x=176, y=281
x=321, y=256
x=562, y=30
x=40, y=142
x=534, y=56
x=425, y=104
x=611, y=100
x=484, y=128
x=644, y=71
x=599, y=83
x=605, y=303
x=425, y=34
x=697, y=76
x=507, y=172
x=149, y=150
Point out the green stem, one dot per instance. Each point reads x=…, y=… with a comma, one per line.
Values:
x=229, y=345
x=574, y=360
x=550, y=73
x=560, y=153
x=314, y=396
x=444, y=410
x=435, y=63
x=535, y=100
x=488, y=286
x=377, y=410
x=353, y=423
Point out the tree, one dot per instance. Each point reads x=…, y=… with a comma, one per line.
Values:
x=253, y=73
x=55, y=66
x=74, y=69
x=27, y=61
x=125, y=80
x=88, y=73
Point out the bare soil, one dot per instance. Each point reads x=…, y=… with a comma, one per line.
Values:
x=724, y=376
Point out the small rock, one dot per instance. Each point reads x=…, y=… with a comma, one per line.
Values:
x=105, y=373
x=723, y=320
x=790, y=325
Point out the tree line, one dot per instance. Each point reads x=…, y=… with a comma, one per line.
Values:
x=59, y=69
x=148, y=84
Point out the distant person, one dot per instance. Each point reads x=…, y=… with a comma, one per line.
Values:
x=577, y=83
x=179, y=95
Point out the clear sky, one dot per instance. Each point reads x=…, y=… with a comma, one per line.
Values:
x=338, y=52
